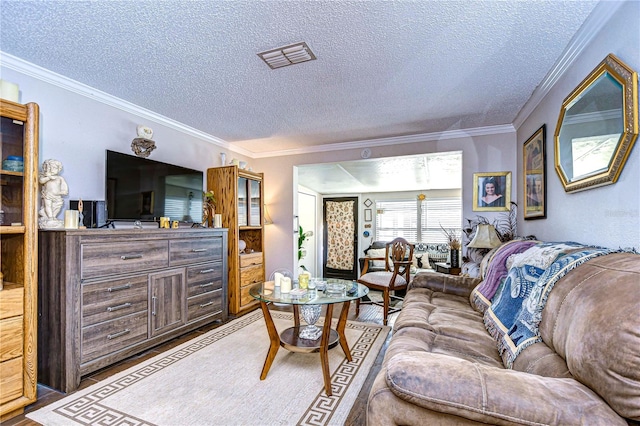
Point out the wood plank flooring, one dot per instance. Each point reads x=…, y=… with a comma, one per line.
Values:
x=368, y=313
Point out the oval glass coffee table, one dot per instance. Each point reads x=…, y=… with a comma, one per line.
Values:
x=309, y=338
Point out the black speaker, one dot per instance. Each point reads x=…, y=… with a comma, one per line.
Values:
x=95, y=212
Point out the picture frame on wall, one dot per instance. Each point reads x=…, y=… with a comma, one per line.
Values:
x=534, y=166
x=491, y=191
x=367, y=215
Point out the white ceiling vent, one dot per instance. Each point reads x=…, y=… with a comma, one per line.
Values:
x=287, y=55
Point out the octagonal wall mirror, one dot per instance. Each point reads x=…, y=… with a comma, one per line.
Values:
x=597, y=127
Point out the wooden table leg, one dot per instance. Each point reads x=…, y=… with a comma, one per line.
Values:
x=342, y=322
x=324, y=349
x=273, y=336
x=296, y=316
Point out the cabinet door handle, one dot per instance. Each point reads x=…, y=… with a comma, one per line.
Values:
x=121, y=333
x=198, y=250
x=118, y=307
x=153, y=305
x=120, y=287
x=204, y=305
x=207, y=285
x=206, y=271
x=130, y=256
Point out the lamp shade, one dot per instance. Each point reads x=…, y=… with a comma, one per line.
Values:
x=486, y=237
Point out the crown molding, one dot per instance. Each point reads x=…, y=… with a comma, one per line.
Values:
x=596, y=21
x=395, y=140
x=48, y=76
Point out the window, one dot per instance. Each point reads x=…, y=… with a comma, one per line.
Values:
x=418, y=221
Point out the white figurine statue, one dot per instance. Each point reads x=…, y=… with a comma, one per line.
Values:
x=54, y=187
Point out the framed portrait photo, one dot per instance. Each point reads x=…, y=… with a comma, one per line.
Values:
x=534, y=168
x=491, y=191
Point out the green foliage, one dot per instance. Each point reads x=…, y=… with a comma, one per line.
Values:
x=302, y=237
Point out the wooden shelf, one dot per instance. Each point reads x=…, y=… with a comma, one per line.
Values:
x=5, y=230
x=18, y=259
x=227, y=184
x=11, y=173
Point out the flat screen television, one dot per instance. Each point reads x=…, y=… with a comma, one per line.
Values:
x=142, y=189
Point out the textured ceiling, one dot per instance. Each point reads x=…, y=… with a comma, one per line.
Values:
x=384, y=68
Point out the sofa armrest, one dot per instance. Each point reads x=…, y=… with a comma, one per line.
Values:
x=445, y=283
x=474, y=391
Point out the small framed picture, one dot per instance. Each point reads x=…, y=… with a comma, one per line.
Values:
x=367, y=215
x=534, y=166
x=368, y=202
x=491, y=191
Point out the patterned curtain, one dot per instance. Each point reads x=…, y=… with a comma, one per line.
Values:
x=340, y=234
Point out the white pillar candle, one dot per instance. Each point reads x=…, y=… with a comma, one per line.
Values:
x=217, y=221
x=285, y=285
x=277, y=279
x=9, y=91
x=71, y=219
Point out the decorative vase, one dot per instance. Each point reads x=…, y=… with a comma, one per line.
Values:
x=455, y=258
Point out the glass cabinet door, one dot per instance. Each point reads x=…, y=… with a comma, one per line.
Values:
x=12, y=180
x=255, y=203
x=242, y=202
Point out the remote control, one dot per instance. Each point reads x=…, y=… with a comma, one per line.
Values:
x=353, y=289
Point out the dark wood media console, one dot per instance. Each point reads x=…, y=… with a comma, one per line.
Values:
x=105, y=295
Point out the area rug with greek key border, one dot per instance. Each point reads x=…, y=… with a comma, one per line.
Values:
x=214, y=379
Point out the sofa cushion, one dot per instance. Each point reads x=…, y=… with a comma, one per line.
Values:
x=443, y=323
x=592, y=319
x=486, y=394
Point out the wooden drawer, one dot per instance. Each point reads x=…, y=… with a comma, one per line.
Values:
x=11, y=380
x=11, y=338
x=204, y=278
x=195, y=250
x=108, y=300
x=250, y=259
x=99, y=260
x=251, y=275
x=111, y=336
x=204, y=304
x=11, y=301
x=245, y=297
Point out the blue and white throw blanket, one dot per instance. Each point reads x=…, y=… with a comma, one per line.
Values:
x=516, y=309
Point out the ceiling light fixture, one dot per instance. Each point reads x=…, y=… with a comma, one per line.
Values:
x=287, y=55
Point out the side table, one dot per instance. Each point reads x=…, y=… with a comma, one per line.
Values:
x=293, y=338
x=446, y=268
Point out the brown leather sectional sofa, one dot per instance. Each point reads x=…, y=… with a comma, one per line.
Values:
x=443, y=367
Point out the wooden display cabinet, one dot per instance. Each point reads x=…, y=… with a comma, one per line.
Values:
x=240, y=200
x=18, y=258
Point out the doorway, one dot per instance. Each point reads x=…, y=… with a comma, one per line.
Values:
x=307, y=258
x=340, y=220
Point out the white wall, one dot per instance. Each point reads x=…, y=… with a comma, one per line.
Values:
x=608, y=215
x=309, y=204
x=77, y=130
x=485, y=153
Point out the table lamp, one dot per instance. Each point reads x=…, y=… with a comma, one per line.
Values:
x=486, y=237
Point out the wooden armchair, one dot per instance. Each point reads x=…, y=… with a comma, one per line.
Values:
x=396, y=276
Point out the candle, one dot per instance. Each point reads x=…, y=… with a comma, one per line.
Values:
x=217, y=221
x=277, y=278
x=285, y=285
x=303, y=279
x=71, y=219
x=9, y=91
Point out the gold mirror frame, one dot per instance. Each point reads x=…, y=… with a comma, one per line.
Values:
x=618, y=71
